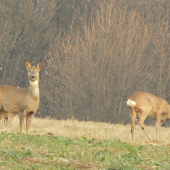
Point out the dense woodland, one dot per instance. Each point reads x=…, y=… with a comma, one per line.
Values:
x=95, y=52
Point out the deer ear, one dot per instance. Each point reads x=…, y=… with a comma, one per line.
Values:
x=27, y=64
x=39, y=65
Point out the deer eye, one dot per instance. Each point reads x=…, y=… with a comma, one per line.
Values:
x=29, y=71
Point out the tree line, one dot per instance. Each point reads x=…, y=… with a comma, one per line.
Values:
x=95, y=52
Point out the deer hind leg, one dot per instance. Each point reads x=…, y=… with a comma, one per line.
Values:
x=133, y=121
x=6, y=121
x=6, y=124
x=28, y=120
x=141, y=124
x=3, y=114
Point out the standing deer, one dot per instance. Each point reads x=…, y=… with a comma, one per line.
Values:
x=22, y=101
x=145, y=104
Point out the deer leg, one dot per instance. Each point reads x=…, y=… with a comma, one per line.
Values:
x=3, y=114
x=9, y=123
x=28, y=120
x=10, y=118
x=133, y=122
x=141, y=121
x=21, y=118
x=158, y=126
x=5, y=123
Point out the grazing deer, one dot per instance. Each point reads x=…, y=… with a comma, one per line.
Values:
x=145, y=104
x=22, y=101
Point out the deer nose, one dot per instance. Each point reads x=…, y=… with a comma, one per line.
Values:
x=33, y=77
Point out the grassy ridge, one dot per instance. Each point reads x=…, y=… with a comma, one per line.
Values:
x=75, y=129
x=57, y=152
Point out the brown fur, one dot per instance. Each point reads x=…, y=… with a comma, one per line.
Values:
x=148, y=105
x=8, y=121
x=22, y=101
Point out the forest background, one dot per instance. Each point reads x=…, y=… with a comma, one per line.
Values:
x=95, y=52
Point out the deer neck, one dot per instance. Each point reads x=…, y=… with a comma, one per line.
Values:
x=34, y=88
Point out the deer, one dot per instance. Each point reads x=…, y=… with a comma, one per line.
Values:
x=145, y=104
x=22, y=101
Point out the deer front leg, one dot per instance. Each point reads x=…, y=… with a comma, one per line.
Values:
x=21, y=118
x=28, y=120
x=158, y=126
x=141, y=121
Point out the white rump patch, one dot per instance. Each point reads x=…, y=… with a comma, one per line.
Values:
x=131, y=103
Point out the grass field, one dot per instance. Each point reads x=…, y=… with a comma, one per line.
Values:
x=70, y=144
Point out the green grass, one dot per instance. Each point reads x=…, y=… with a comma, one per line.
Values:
x=56, y=152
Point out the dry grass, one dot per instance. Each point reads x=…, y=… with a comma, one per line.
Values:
x=75, y=129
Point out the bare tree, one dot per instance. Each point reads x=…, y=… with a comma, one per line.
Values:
x=96, y=53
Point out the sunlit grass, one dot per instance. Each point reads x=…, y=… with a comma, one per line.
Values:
x=75, y=129
x=71, y=144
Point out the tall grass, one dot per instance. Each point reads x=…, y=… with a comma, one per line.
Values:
x=75, y=129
